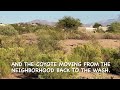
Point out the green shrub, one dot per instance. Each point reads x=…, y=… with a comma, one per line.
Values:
x=114, y=27
x=97, y=25
x=11, y=54
x=115, y=66
x=4, y=68
x=56, y=34
x=47, y=44
x=48, y=40
x=88, y=53
x=93, y=53
x=112, y=56
x=12, y=41
x=31, y=53
x=108, y=53
x=7, y=56
x=115, y=63
x=23, y=28
x=8, y=30
x=69, y=23
x=57, y=56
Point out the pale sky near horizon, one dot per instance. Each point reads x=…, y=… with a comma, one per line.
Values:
x=84, y=16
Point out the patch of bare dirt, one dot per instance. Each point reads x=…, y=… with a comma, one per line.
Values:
x=72, y=43
x=109, y=43
x=29, y=38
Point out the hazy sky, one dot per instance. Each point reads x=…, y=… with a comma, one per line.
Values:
x=84, y=16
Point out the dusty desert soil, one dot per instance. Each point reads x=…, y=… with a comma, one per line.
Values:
x=72, y=43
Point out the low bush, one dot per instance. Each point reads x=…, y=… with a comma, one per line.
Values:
x=95, y=53
x=57, y=56
x=108, y=53
x=112, y=56
x=7, y=56
x=89, y=53
x=4, y=68
x=8, y=30
x=115, y=66
x=48, y=40
x=112, y=36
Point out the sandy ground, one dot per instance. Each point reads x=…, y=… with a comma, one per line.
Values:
x=72, y=43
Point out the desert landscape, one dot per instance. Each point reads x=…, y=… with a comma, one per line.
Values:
x=67, y=40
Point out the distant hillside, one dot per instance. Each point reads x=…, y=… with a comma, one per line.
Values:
x=105, y=22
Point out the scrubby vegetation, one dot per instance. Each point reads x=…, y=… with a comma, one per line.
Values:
x=96, y=25
x=27, y=42
x=114, y=27
x=8, y=30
